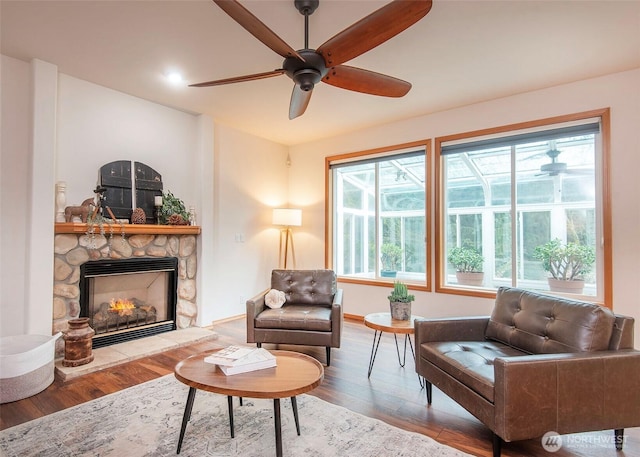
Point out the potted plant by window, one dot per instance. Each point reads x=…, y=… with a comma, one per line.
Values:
x=567, y=264
x=391, y=257
x=400, y=302
x=468, y=264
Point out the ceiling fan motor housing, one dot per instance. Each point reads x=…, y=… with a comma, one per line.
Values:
x=306, y=6
x=308, y=73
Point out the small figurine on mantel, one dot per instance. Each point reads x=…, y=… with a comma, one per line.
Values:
x=81, y=211
x=89, y=206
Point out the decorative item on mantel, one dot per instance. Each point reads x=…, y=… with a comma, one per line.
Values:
x=78, y=342
x=61, y=200
x=173, y=211
x=138, y=216
x=157, y=202
x=82, y=210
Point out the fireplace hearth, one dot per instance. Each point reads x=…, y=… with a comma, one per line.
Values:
x=126, y=299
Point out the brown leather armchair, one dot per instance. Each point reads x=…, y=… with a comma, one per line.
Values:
x=311, y=315
x=538, y=364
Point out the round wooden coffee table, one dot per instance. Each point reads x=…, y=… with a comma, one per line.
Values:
x=382, y=322
x=294, y=374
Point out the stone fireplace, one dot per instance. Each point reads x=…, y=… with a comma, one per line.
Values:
x=78, y=249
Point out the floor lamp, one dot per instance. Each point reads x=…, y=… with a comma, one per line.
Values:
x=288, y=217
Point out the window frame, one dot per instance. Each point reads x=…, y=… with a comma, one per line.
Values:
x=602, y=186
x=428, y=213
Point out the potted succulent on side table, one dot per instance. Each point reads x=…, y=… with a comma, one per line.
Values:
x=400, y=302
x=567, y=264
x=468, y=264
x=391, y=257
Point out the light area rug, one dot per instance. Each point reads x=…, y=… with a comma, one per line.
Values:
x=145, y=420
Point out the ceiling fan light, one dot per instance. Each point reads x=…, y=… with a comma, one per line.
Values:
x=306, y=78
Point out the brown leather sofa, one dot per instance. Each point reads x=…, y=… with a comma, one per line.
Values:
x=538, y=364
x=311, y=315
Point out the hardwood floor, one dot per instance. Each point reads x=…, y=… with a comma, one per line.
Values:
x=391, y=394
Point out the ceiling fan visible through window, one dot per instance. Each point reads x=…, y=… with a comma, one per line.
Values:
x=307, y=67
x=555, y=167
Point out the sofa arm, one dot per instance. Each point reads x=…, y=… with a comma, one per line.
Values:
x=337, y=298
x=450, y=329
x=337, y=317
x=566, y=393
x=255, y=306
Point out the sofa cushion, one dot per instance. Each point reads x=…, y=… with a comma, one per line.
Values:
x=305, y=287
x=470, y=362
x=295, y=317
x=542, y=324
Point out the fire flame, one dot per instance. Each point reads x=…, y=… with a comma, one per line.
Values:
x=121, y=306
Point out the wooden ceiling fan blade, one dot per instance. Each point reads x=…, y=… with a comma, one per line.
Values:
x=257, y=28
x=299, y=101
x=239, y=79
x=365, y=81
x=373, y=30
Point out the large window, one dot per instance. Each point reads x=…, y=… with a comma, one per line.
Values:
x=378, y=214
x=520, y=205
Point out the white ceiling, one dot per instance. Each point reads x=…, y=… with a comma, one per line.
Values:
x=462, y=52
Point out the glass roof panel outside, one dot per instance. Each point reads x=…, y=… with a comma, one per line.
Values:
x=494, y=164
x=397, y=175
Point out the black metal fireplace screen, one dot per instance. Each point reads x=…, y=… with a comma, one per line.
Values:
x=127, y=299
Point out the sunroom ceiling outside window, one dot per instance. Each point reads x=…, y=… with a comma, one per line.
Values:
x=397, y=176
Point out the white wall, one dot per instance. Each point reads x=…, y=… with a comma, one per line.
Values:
x=97, y=125
x=250, y=180
x=15, y=147
x=620, y=92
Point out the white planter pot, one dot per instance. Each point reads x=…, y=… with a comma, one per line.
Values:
x=568, y=287
x=469, y=279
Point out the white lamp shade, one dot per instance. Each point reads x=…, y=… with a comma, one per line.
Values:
x=287, y=216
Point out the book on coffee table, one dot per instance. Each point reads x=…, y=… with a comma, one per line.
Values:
x=229, y=355
x=259, y=359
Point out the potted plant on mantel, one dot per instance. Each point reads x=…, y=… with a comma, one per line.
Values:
x=468, y=263
x=567, y=264
x=173, y=210
x=391, y=257
x=400, y=301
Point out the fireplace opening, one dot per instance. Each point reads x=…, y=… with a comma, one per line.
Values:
x=128, y=299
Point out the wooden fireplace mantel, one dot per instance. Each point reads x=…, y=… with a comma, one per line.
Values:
x=130, y=229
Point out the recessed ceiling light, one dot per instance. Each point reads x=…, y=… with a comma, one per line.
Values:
x=174, y=78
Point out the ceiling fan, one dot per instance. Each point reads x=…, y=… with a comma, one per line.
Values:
x=307, y=67
x=555, y=168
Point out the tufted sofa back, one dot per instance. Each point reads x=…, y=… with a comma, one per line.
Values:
x=541, y=324
x=305, y=287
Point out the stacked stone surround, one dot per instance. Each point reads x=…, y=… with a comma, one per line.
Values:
x=72, y=250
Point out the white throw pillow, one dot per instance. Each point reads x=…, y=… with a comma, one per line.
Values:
x=274, y=298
